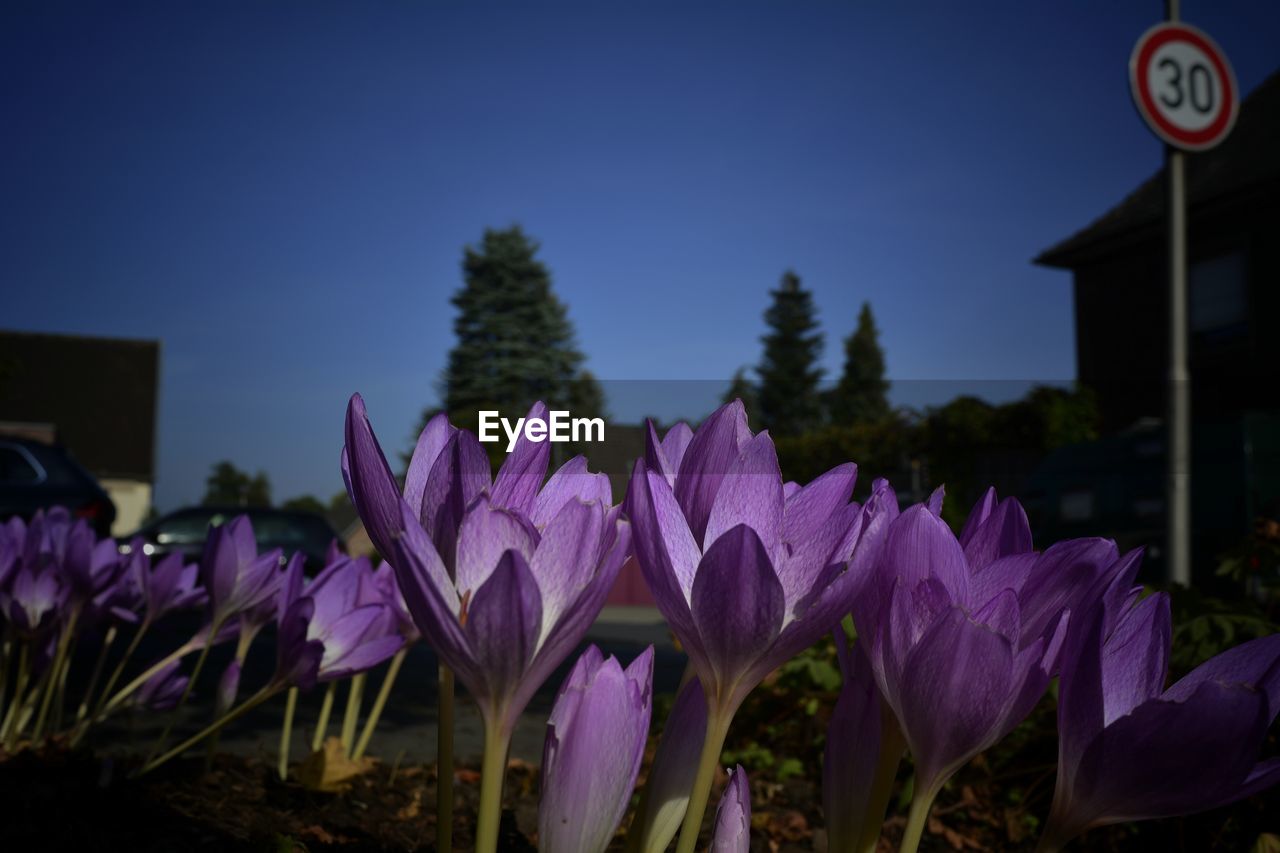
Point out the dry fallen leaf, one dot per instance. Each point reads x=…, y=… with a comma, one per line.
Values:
x=329, y=769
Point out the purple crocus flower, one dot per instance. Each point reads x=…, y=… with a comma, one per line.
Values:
x=522, y=571
x=745, y=576
x=235, y=576
x=733, y=816
x=594, y=746
x=337, y=628
x=164, y=587
x=955, y=667
x=31, y=602
x=162, y=691
x=1129, y=749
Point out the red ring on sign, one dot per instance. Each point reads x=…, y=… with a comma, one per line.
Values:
x=1209, y=134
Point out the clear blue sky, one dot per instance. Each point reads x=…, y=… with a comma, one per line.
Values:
x=280, y=192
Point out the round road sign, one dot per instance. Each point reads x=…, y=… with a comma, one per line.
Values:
x=1183, y=86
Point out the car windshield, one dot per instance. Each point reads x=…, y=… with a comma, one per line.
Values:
x=291, y=531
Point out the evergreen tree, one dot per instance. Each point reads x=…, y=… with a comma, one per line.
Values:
x=515, y=344
x=227, y=485
x=861, y=393
x=788, y=397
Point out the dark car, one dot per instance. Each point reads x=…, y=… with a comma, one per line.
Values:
x=34, y=476
x=185, y=531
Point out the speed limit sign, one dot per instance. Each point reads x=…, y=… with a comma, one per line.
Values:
x=1183, y=86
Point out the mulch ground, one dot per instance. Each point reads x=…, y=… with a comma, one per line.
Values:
x=57, y=800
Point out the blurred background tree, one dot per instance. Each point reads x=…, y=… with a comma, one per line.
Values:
x=862, y=392
x=789, y=401
x=515, y=343
x=227, y=485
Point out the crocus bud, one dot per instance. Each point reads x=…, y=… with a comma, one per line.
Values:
x=595, y=742
x=666, y=791
x=733, y=817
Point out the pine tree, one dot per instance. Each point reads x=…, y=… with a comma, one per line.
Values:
x=789, y=376
x=515, y=344
x=861, y=393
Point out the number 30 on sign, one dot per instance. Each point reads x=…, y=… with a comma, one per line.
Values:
x=1183, y=86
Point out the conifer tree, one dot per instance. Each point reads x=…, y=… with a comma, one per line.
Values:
x=788, y=398
x=862, y=392
x=515, y=344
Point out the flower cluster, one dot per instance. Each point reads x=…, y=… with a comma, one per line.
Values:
x=945, y=641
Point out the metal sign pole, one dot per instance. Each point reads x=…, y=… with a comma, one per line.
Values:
x=1179, y=439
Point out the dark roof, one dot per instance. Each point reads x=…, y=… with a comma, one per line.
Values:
x=99, y=393
x=1244, y=167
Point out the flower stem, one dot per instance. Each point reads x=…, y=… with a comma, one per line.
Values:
x=322, y=723
x=444, y=762
x=249, y=704
x=891, y=748
x=383, y=692
x=98, y=667
x=493, y=771
x=286, y=732
x=917, y=817
x=119, y=670
x=717, y=730
x=54, y=671
x=8, y=730
x=355, y=695
x=191, y=682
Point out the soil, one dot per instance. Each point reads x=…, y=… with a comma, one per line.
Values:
x=56, y=800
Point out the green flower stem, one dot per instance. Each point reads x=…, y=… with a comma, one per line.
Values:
x=98, y=667
x=717, y=729
x=497, y=741
x=6, y=652
x=322, y=723
x=891, y=749
x=286, y=732
x=54, y=672
x=249, y=704
x=918, y=817
x=119, y=670
x=383, y=692
x=355, y=696
x=8, y=729
x=191, y=682
x=444, y=762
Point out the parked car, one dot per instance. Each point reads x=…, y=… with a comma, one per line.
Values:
x=185, y=531
x=34, y=475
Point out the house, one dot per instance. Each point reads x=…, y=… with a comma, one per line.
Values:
x=1119, y=274
x=96, y=397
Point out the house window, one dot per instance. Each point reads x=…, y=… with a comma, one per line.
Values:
x=1219, y=296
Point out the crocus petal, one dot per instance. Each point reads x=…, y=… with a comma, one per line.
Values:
x=980, y=513
x=738, y=604
x=1135, y=660
x=733, y=816
x=431, y=441
x=572, y=481
x=711, y=452
x=675, y=764
x=852, y=752
x=374, y=490
x=1004, y=533
x=1058, y=580
x=664, y=545
x=808, y=509
x=460, y=473
x=1006, y=573
x=934, y=504
x=750, y=493
x=487, y=532
x=502, y=627
x=675, y=443
x=954, y=683
x=920, y=545
x=1256, y=662
x=524, y=470
x=594, y=746
x=566, y=558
